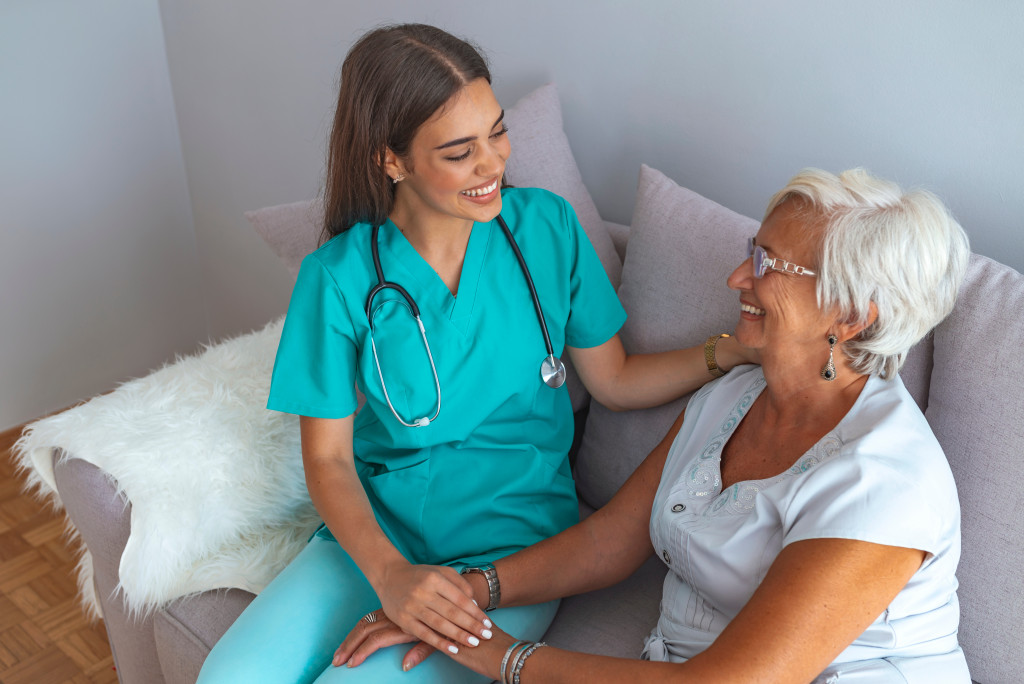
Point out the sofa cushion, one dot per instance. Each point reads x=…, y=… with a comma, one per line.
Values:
x=974, y=407
x=682, y=247
x=613, y=621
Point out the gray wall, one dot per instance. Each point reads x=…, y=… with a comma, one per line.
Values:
x=99, y=279
x=729, y=98
x=104, y=275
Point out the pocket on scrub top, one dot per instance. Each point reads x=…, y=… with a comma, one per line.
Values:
x=404, y=363
x=399, y=503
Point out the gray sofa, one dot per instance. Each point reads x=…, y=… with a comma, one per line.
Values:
x=672, y=264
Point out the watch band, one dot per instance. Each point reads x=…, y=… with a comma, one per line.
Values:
x=493, y=586
x=709, y=355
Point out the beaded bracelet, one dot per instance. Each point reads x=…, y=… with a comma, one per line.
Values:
x=524, y=654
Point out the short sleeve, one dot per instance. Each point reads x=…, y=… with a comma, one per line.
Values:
x=848, y=497
x=314, y=372
x=595, y=313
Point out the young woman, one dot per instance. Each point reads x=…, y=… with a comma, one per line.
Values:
x=446, y=297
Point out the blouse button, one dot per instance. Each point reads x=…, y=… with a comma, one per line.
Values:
x=678, y=508
x=668, y=559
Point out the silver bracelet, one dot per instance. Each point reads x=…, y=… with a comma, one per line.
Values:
x=493, y=586
x=526, y=653
x=509, y=675
x=504, y=661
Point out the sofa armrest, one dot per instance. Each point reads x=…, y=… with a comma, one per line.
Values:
x=101, y=515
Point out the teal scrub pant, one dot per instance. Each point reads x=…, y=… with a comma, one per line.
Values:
x=289, y=633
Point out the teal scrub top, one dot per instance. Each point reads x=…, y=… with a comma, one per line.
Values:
x=490, y=475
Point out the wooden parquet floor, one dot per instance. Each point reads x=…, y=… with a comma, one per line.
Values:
x=45, y=637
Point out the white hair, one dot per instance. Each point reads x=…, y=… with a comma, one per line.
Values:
x=901, y=250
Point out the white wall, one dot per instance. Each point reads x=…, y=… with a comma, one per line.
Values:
x=99, y=280
x=729, y=98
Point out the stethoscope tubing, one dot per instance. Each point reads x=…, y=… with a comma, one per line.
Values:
x=529, y=284
x=552, y=369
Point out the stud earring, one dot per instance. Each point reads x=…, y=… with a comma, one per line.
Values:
x=397, y=178
x=829, y=371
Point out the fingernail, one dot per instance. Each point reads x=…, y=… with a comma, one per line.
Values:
x=473, y=641
x=406, y=667
x=475, y=603
x=486, y=634
x=488, y=624
x=453, y=649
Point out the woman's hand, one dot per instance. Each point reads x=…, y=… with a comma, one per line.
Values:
x=729, y=353
x=368, y=637
x=432, y=604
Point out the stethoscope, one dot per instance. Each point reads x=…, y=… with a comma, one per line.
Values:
x=552, y=370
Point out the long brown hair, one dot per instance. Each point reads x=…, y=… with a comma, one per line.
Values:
x=393, y=79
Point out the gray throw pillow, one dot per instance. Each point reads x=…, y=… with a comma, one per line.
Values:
x=682, y=248
x=974, y=407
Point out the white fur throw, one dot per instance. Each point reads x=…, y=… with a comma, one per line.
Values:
x=215, y=479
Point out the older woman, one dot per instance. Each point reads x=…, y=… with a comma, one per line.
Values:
x=804, y=510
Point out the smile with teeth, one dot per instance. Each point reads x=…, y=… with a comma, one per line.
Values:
x=751, y=309
x=486, y=190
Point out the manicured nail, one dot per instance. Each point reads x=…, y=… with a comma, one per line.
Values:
x=488, y=624
x=453, y=649
x=473, y=641
x=406, y=667
x=475, y=603
x=486, y=634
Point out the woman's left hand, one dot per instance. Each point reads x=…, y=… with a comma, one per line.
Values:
x=368, y=637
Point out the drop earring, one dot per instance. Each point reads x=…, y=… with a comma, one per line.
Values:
x=829, y=371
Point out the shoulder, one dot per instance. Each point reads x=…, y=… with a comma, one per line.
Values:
x=525, y=203
x=345, y=255
x=884, y=447
x=887, y=426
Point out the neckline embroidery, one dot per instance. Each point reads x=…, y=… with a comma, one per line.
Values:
x=703, y=478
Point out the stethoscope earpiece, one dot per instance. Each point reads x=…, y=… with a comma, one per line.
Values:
x=552, y=370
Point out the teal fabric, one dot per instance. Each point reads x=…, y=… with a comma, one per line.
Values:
x=290, y=631
x=490, y=475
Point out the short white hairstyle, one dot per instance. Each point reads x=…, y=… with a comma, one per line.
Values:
x=903, y=251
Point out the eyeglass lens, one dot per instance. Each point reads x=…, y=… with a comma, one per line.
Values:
x=757, y=254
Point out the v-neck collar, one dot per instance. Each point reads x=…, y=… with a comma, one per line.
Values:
x=401, y=261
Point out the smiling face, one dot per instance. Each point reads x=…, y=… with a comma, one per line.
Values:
x=779, y=313
x=455, y=163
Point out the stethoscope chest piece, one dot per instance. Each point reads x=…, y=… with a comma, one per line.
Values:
x=552, y=371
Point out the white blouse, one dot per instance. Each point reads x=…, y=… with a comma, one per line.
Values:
x=880, y=476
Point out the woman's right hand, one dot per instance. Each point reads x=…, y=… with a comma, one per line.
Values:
x=433, y=604
x=729, y=353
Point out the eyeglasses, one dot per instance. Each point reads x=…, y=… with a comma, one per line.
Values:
x=762, y=262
